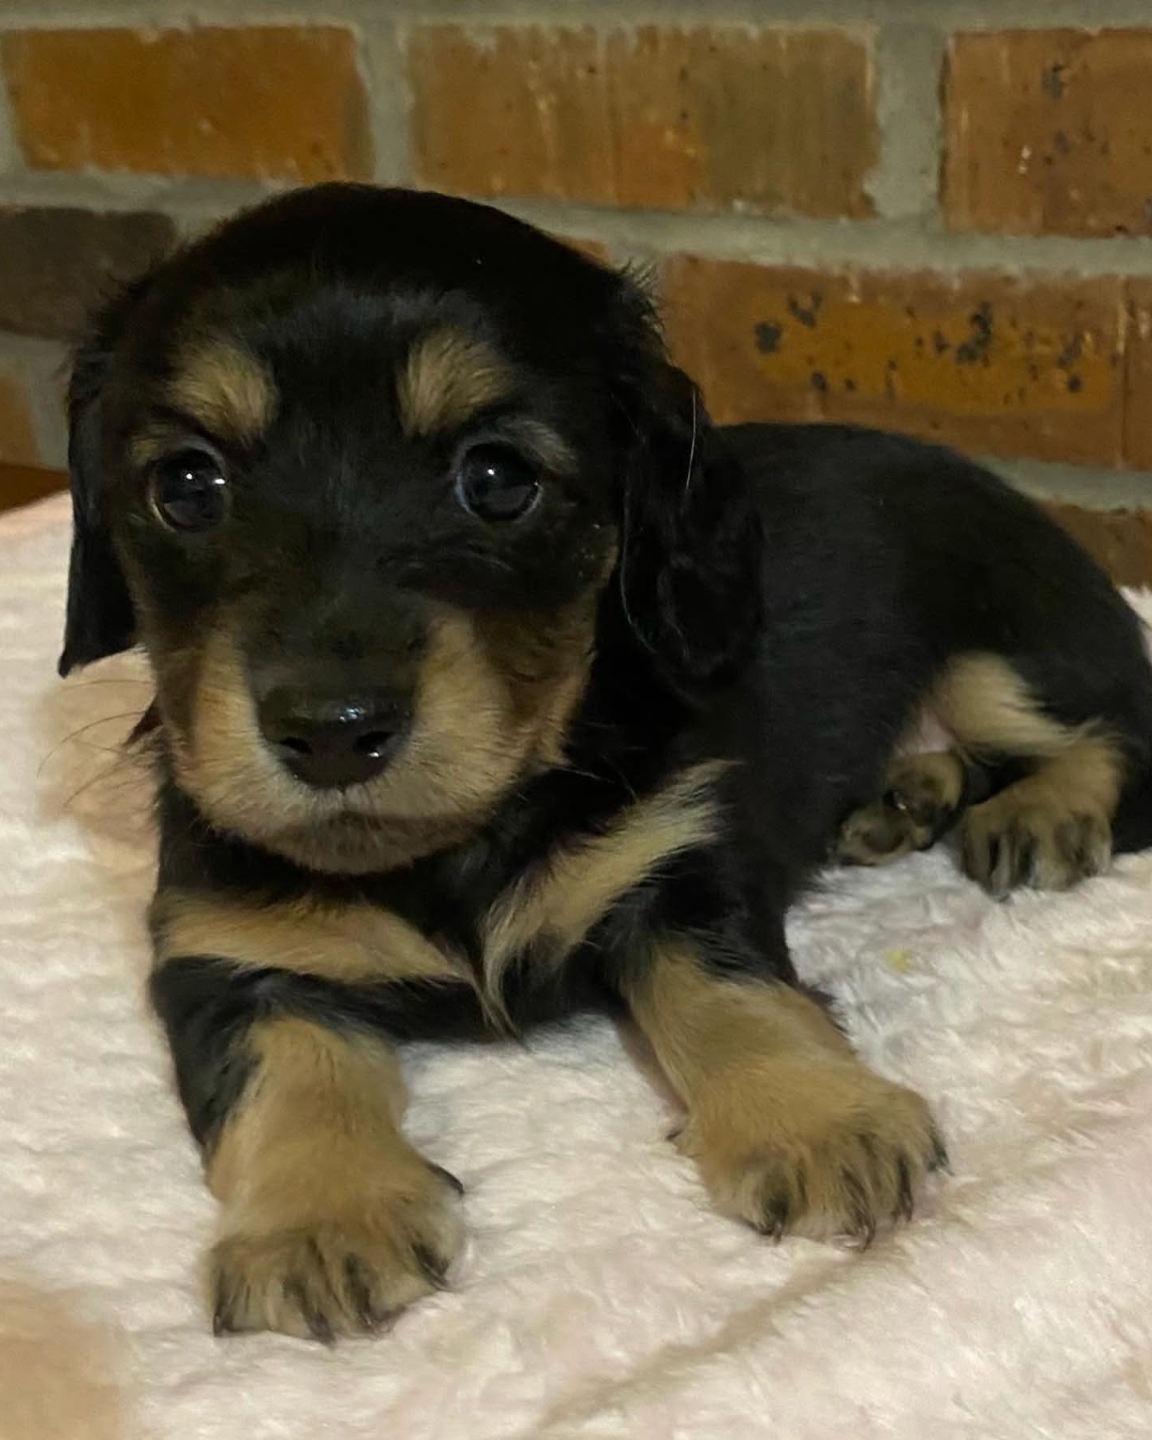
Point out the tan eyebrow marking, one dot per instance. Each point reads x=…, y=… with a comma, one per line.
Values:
x=446, y=377
x=225, y=388
x=149, y=444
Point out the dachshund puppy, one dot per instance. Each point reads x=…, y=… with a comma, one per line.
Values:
x=492, y=681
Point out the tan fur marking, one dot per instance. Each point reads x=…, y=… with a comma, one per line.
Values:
x=465, y=749
x=464, y=708
x=446, y=378
x=701, y=1025
x=225, y=388
x=919, y=794
x=562, y=898
x=1047, y=830
x=929, y=782
x=211, y=734
x=494, y=697
x=988, y=707
x=544, y=663
x=790, y=1130
x=150, y=444
x=331, y=1220
x=557, y=703
x=312, y=1087
x=350, y=943
x=1085, y=777
x=1051, y=828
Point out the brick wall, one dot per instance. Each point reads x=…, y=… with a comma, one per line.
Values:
x=930, y=214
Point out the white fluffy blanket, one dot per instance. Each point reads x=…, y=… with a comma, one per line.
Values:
x=598, y=1296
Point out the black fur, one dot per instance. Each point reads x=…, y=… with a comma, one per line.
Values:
x=207, y=1007
x=782, y=599
x=100, y=619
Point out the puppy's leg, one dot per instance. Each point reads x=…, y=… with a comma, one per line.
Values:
x=1051, y=828
x=792, y=1133
x=1028, y=800
x=1053, y=825
x=921, y=798
x=331, y=1221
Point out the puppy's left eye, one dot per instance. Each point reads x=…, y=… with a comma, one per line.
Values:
x=188, y=490
x=496, y=482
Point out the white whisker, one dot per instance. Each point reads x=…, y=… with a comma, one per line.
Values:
x=692, y=447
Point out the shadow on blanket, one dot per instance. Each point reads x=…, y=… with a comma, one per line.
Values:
x=54, y=1371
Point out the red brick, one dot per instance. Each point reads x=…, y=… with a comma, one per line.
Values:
x=1138, y=415
x=712, y=118
x=59, y=261
x=1120, y=540
x=265, y=101
x=992, y=363
x=1049, y=131
x=17, y=433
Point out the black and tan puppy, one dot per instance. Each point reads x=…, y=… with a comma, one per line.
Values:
x=493, y=680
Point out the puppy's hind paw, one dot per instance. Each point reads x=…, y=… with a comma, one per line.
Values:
x=921, y=799
x=1004, y=845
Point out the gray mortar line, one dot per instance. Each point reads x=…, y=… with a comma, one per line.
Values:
x=389, y=106
x=11, y=160
x=871, y=244
x=183, y=198
x=148, y=14
x=908, y=60
x=809, y=14
x=1088, y=486
x=945, y=14
x=883, y=244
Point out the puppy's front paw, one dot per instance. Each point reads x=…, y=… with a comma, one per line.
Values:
x=823, y=1149
x=345, y=1269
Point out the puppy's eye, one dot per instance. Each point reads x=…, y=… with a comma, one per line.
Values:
x=188, y=490
x=495, y=482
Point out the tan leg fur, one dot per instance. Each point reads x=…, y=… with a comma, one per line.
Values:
x=1046, y=830
x=792, y=1133
x=332, y=1221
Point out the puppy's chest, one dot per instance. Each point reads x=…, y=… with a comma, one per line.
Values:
x=502, y=916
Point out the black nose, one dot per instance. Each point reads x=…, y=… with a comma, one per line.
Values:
x=328, y=744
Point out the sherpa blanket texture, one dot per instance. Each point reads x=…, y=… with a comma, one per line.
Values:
x=598, y=1296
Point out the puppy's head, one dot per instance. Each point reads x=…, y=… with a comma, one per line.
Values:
x=361, y=470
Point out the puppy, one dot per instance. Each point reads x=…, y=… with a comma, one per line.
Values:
x=492, y=680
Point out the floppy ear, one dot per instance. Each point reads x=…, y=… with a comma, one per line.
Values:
x=691, y=531
x=99, y=620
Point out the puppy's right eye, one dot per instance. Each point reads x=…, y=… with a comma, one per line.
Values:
x=495, y=482
x=189, y=490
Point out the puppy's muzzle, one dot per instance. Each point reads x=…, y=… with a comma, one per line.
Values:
x=329, y=743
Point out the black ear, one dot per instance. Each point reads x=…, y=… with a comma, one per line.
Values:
x=691, y=530
x=99, y=620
